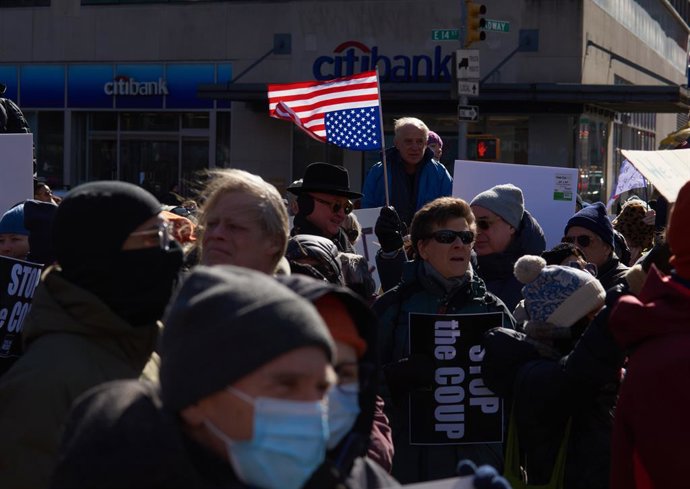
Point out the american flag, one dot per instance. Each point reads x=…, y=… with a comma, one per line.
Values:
x=344, y=111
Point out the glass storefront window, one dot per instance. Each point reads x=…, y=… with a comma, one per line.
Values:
x=591, y=150
x=195, y=120
x=149, y=121
x=49, y=132
x=223, y=139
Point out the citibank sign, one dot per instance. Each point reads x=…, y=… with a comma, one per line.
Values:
x=353, y=57
x=124, y=85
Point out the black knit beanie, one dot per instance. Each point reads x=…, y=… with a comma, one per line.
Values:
x=94, y=220
x=225, y=323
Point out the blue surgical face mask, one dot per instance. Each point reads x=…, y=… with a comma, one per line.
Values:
x=288, y=444
x=343, y=409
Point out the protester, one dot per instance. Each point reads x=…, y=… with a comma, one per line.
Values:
x=38, y=219
x=561, y=383
x=439, y=281
x=93, y=319
x=650, y=443
x=323, y=201
x=505, y=232
x=245, y=370
x=360, y=446
x=435, y=143
x=633, y=224
x=243, y=222
x=12, y=119
x=14, y=237
x=592, y=232
x=43, y=193
x=414, y=178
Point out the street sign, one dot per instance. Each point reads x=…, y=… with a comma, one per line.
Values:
x=470, y=88
x=445, y=34
x=467, y=64
x=496, y=25
x=468, y=112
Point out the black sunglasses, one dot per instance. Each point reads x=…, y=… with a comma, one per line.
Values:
x=582, y=240
x=336, y=206
x=447, y=236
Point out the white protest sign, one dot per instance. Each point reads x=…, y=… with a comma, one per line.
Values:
x=549, y=192
x=452, y=483
x=16, y=168
x=667, y=170
x=367, y=245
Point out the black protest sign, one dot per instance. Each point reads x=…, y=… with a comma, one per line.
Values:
x=458, y=409
x=18, y=280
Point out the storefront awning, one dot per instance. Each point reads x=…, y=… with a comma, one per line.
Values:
x=498, y=98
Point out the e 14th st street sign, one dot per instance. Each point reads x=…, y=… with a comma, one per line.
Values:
x=445, y=34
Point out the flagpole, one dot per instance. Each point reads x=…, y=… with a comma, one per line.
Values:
x=383, y=146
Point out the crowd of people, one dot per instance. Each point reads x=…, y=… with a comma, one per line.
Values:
x=210, y=345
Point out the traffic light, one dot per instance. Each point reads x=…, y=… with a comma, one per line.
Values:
x=483, y=147
x=474, y=23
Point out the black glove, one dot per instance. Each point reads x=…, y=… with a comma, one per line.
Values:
x=409, y=373
x=389, y=230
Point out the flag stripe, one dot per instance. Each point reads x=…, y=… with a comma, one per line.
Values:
x=307, y=103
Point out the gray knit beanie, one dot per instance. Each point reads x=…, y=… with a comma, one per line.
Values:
x=505, y=201
x=225, y=323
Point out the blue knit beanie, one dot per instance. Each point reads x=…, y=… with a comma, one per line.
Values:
x=12, y=221
x=505, y=201
x=594, y=218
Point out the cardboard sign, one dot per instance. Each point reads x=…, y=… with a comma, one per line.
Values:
x=16, y=168
x=367, y=245
x=549, y=192
x=18, y=280
x=667, y=170
x=459, y=409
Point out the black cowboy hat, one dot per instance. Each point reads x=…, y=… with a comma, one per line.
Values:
x=327, y=179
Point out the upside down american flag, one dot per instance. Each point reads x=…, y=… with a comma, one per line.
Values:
x=344, y=111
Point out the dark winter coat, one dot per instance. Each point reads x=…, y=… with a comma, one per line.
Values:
x=119, y=436
x=545, y=392
x=418, y=293
x=303, y=226
x=651, y=428
x=430, y=181
x=73, y=342
x=612, y=272
x=496, y=269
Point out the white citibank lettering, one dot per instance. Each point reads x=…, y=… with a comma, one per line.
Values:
x=129, y=86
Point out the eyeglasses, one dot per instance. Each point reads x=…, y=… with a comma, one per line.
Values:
x=347, y=206
x=583, y=240
x=161, y=237
x=485, y=224
x=448, y=236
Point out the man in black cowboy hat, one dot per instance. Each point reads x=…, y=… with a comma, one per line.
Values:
x=323, y=200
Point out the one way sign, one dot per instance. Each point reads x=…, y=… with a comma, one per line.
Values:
x=468, y=112
x=468, y=88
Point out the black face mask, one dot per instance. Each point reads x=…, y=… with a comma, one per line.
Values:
x=136, y=284
x=141, y=294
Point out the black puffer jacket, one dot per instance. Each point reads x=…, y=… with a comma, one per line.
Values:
x=496, y=269
x=145, y=443
x=546, y=392
x=302, y=226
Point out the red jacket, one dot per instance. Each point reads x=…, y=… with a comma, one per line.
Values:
x=651, y=433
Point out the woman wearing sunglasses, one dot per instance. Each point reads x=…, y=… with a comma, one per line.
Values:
x=439, y=281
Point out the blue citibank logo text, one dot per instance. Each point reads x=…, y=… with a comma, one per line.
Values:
x=354, y=57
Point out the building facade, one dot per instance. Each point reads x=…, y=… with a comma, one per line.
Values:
x=154, y=92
